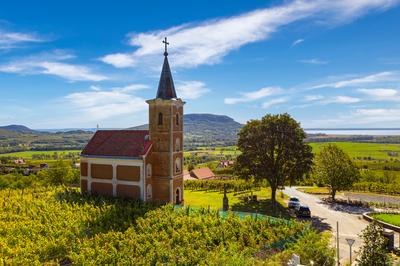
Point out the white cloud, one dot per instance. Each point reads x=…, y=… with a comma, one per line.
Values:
x=191, y=89
x=269, y=104
x=297, y=42
x=118, y=60
x=342, y=99
x=385, y=76
x=208, y=42
x=253, y=95
x=381, y=94
x=50, y=64
x=314, y=61
x=372, y=117
x=311, y=98
x=12, y=39
x=97, y=103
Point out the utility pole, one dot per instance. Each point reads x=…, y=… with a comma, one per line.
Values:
x=337, y=243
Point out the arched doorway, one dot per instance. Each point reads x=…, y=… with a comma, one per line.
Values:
x=178, y=196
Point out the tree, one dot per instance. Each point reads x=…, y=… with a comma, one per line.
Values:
x=190, y=166
x=335, y=169
x=373, y=252
x=273, y=148
x=59, y=173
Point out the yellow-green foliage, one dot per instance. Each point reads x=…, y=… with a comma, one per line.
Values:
x=58, y=226
x=315, y=190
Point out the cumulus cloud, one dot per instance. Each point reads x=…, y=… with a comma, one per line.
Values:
x=191, y=89
x=97, y=103
x=253, y=95
x=52, y=64
x=208, y=42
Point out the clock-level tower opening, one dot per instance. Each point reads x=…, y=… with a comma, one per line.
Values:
x=166, y=134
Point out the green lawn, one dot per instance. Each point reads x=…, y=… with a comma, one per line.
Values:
x=28, y=154
x=214, y=200
x=388, y=218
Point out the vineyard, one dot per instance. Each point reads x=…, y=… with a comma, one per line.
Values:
x=56, y=225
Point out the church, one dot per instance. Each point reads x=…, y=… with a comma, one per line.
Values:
x=143, y=165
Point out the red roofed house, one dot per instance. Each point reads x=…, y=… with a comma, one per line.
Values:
x=140, y=164
x=202, y=173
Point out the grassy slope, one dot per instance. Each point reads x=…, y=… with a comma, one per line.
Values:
x=388, y=218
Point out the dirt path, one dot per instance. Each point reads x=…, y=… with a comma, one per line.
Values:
x=325, y=217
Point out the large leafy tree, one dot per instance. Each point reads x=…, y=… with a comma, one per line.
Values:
x=373, y=251
x=335, y=169
x=273, y=148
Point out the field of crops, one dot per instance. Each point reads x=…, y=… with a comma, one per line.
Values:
x=59, y=226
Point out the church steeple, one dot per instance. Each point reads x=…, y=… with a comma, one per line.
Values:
x=166, y=88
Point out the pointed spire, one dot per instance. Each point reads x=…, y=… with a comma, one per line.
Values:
x=166, y=88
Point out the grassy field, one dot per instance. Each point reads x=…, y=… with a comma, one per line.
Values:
x=388, y=218
x=28, y=154
x=213, y=199
x=373, y=150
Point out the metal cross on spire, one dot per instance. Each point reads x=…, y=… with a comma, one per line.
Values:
x=165, y=43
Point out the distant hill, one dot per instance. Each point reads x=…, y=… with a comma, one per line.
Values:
x=207, y=129
x=18, y=128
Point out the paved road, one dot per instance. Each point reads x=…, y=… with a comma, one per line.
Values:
x=325, y=217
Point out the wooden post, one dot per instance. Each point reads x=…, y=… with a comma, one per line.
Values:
x=337, y=243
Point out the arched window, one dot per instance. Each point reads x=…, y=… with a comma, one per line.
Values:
x=160, y=119
x=177, y=119
x=178, y=197
x=148, y=170
x=178, y=165
x=149, y=192
x=177, y=144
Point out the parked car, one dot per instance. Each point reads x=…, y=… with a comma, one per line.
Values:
x=303, y=211
x=293, y=203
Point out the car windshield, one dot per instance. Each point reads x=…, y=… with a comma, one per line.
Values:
x=303, y=208
x=294, y=199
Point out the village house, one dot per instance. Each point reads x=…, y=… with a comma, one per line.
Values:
x=140, y=164
x=204, y=173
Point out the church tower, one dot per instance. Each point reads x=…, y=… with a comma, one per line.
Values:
x=166, y=134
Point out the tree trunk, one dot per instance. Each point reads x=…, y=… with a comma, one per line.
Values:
x=273, y=194
x=333, y=194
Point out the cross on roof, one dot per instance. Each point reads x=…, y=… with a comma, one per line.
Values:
x=165, y=43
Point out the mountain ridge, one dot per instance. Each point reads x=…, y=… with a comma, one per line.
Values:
x=207, y=129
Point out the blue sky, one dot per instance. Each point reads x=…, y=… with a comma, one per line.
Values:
x=69, y=64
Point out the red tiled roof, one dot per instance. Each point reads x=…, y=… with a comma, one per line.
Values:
x=203, y=173
x=118, y=143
